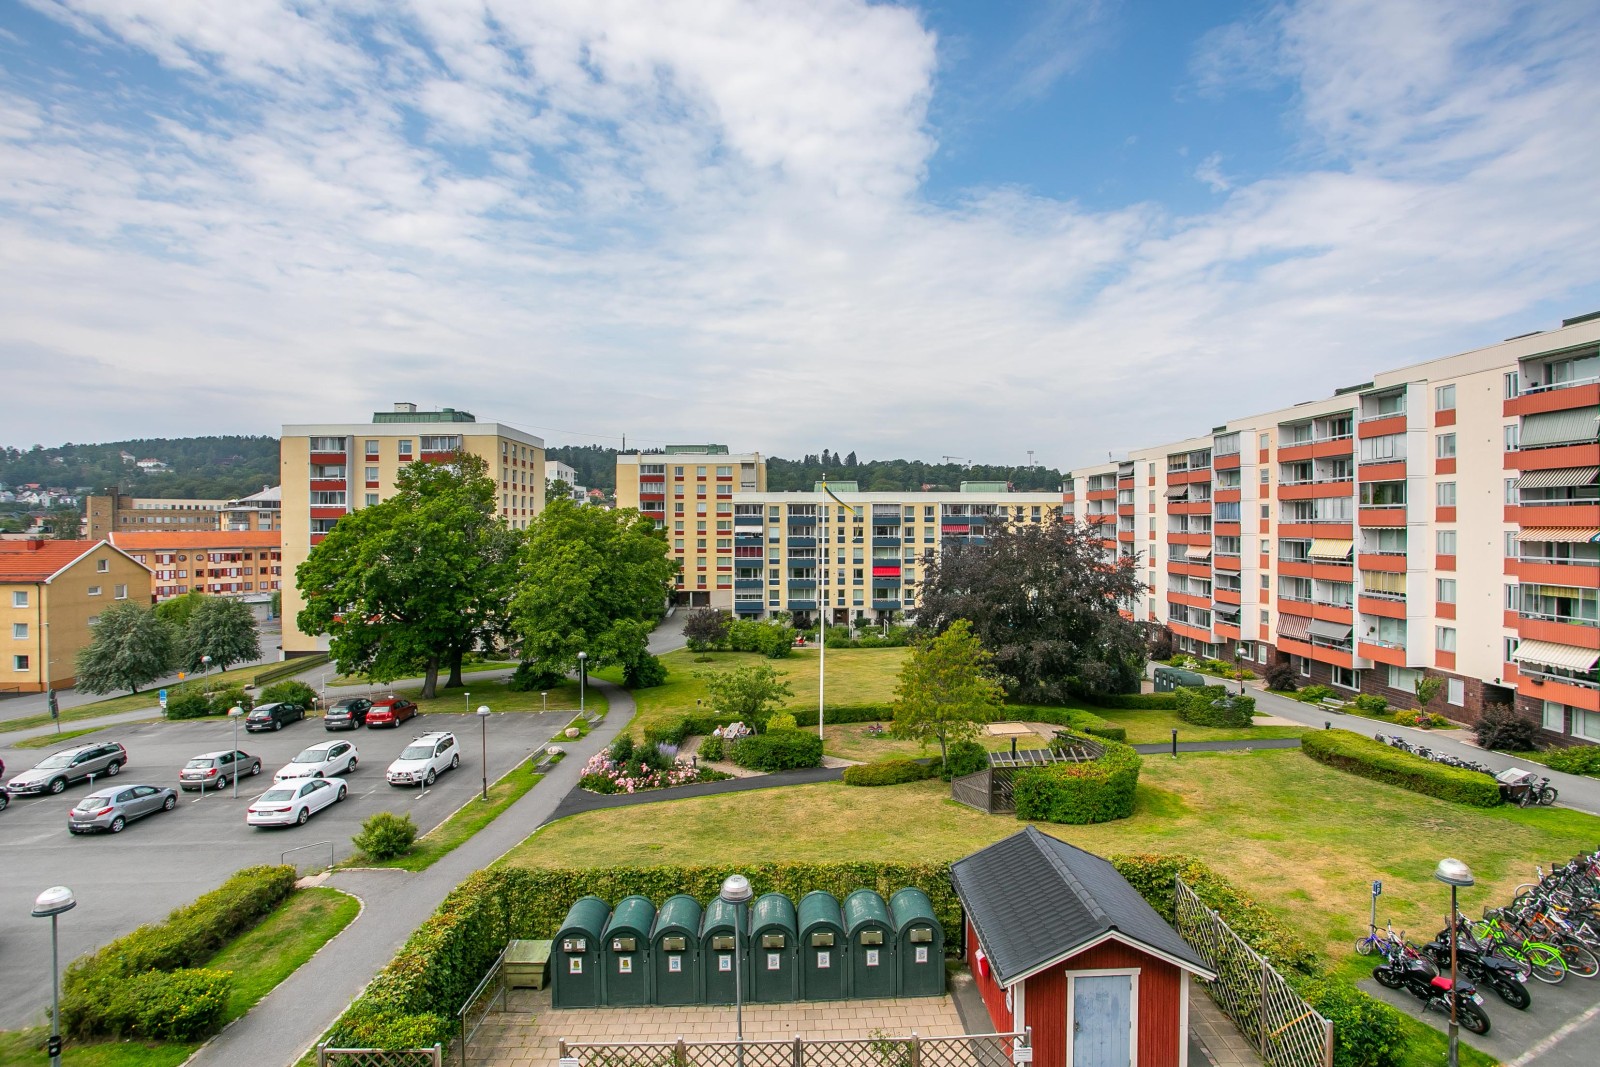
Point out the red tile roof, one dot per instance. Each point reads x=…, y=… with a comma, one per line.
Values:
x=34, y=561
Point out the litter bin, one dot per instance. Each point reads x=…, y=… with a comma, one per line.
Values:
x=626, y=953
x=824, y=970
x=575, y=969
x=1168, y=679
x=675, y=951
x=775, y=957
x=919, y=944
x=722, y=943
x=866, y=920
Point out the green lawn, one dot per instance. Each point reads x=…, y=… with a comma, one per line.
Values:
x=1155, y=727
x=851, y=741
x=563, y=697
x=468, y=820
x=467, y=668
x=46, y=740
x=134, y=701
x=259, y=960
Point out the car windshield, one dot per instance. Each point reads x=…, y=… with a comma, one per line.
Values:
x=94, y=801
x=278, y=794
x=201, y=763
x=262, y=713
x=311, y=755
x=417, y=752
x=60, y=759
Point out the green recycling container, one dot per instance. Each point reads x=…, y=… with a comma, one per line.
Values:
x=1168, y=679
x=625, y=953
x=575, y=961
x=774, y=946
x=723, y=943
x=675, y=952
x=872, y=945
x=824, y=968
x=919, y=945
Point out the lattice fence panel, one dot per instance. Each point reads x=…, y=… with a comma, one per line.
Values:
x=986, y=1050
x=978, y=1050
x=377, y=1057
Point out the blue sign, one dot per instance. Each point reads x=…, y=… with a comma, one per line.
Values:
x=163, y=696
x=1377, y=888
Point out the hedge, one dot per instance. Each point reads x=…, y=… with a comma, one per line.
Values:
x=1356, y=754
x=1579, y=759
x=188, y=937
x=184, y=1005
x=1134, y=701
x=1079, y=719
x=889, y=772
x=781, y=750
x=1213, y=705
x=1077, y=793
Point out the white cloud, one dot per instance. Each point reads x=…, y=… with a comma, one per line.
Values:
x=705, y=221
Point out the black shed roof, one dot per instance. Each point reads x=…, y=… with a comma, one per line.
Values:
x=1035, y=901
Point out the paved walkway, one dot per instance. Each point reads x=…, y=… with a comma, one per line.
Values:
x=1219, y=1038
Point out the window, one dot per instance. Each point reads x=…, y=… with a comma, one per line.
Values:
x=1266, y=475
x=372, y=448
x=1586, y=724
x=1383, y=449
x=1511, y=438
x=1445, y=638
x=94, y=590
x=102, y=565
x=1447, y=590
x=1555, y=717
x=1266, y=511
x=1446, y=492
x=120, y=592
x=1264, y=442
x=1511, y=385
x=1511, y=496
x=451, y=443
x=405, y=449
x=19, y=599
x=372, y=499
x=1444, y=398
x=327, y=444
x=19, y=631
x=1445, y=446
x=1345, y=678
x=19, y=663
x=1445, y=542
x=1456, y=692
x=1404, y=679
x=699, y=472
x=1383, y=494
x=372, y=474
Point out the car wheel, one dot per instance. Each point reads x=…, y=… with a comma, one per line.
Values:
x=352, y=765
x=5, y=801
x=112, y=768
x=455, y=761
x=169, y=804
x=302, y=717
x=57, y=784
x=430, y=778
x=305, y=813
x=117, y=824
x=317, y=775
x=342, y=792
x=255, y=768
x=276, y=725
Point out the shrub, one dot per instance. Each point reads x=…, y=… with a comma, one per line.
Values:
x=1579, y=759
x=1360, y=755
x=964, y=757
x=1311, y=694
x=182, y=1005
x=1501, y=727
x=289, y=692
x=534, y=677
x=1159, y=643
x=1282, y=678
x=711, y=748
x=1098, y=791
x=1133, y=701
x=1371, y=703
x=889, y=772
x=1366, y=1031
x=785, y=750
x=621, y=749
x=366, y=1025
x=187, y=702
x=1213, y=705
x=646, y=672
x=781, y=721
x=385, y=835
x=232, y=696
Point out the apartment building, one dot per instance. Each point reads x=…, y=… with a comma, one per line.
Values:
x=1442, y=519
x=247, y=564
x=556, y=471
x=320, y=463
x=51, y=594
x=113, y=510
x=689, y=490
x=261, y=511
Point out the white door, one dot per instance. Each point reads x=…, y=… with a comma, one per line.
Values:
x=1102, y=1020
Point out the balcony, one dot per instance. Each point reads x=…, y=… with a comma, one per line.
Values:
x=326, y=485
x=886, y=519
x=1383, y=424
x=747, y=539
x=1383, y=515
x=802, y=520
x=747, y=520
x=802, y=605
x=1537, y=399
x=806, y=584
x=802, y=542
x=879, y=541
x=747, y=583
x=1581, y=513
x=803, y=562
x=747, y=607
x=334, y=459
x=888, y=581
x=885, y=605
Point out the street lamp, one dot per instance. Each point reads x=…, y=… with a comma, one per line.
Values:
x=736, y=891
x=1454, y=874
x=236, y=713
x=583, y=675
x=49, y=904
x=483, y=722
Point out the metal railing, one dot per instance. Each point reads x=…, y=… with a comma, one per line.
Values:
x=283, y=857
x=377, y=1057
x=966, y=1050
x=477, y=1007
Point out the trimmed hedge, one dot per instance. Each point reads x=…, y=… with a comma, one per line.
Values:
x=184, y=1005
x=964, y=757
x=1360, y=755
x=1079, y=719
x=1078, y=793
x=1213, y=705
x=1134, y=701
x=781, y=750
x=889, y=772
x=187, y=938
x=1579, y=759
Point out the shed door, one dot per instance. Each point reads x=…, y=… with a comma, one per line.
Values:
x=1102, y=1020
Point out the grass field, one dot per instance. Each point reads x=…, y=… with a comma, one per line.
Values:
x=46, y=740
x=134, y=701
x=563, y=697
x=466, y=669
x=459, y=827
x=851, y=741
x=259, y=960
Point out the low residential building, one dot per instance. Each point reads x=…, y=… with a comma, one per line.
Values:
x=556, y=471
x=113, y=510
x=51, y=593
x=245, y=564
x=258, y=511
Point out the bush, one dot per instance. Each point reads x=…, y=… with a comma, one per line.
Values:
x=233, y=696
x=534, y=677
x=385, y=835
x=1076, y=793
x=1366, y=1031
x=621, y=749
x=711, y=748
x=290, y=692
x=781, y=721
x=1360, y=755
x=183, y=1005
x=1501, y=727
x=785, y=750
x=1371, y=703
x=1579, y=759
x=1213, y=705
x=964, y=757
x=646, y=672
x=1312, y=694
x=187, y=702
x=1134, y=701
x=366, y=1025
x=1282, y=678
x=889, y=772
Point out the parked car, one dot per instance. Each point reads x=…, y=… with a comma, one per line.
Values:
x=348, y=713
x=53, y=773
x=213, y=770
x=331, y=759
x=390, y=711
x=292, y=803
x=112, y=809
x=5, y=800
x=424, y=759
x=273, y=717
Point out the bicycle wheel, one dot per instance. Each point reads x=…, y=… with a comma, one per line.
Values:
x=1548, y=964
x=1365, y=945
x=1580, y=960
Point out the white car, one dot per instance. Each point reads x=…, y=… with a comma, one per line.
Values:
x=292, y=803
x=424, y=758
x=330, y=759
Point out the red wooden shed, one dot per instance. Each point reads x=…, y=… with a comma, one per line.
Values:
x=1061, y=943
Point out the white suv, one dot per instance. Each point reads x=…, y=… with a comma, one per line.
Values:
x=424, y=758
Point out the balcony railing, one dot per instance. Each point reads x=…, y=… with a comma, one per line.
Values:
x=1586, y=681
x=1569, y=620
x=1574, y=383
x=1563, y=561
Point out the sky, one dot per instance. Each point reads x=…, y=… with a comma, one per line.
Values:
x=953, y=228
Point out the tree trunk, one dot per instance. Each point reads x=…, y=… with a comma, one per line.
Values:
x=430, y=679
x=944, y=753
x=454, y=681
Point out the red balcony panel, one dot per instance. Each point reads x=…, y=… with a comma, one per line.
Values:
x=327, y=485
x=1445, y=611
x=1576, y=696
x=653, y=496
x=1292, y=453
x=1227, y=529
x=1190, y=599
x=1316, y=491
x=1069, y=498
x=1125, y=535
x=328, y=513
x=1188, y=539
x=1382, y=427
x=1543, y=459
x=1382, y=654
x=1188, y=507
x=437, y=457
x=1291, y=647
x=1509, y=619
x=1101, y=494
x=329, y=458
x=317, y=539
x=1444, y=563
x=1554, y=573
x=1585, y=515
x=1562, y=633
x=1387, y=516
x=1228, y=496
x=1441, y=514
x=1333, y=449
x=1444, y=466
x=1290, y=568
x=1371, y=562
x=1444, y=418
x=1382, y=472
x=1223, y=630
x=1445, y=661
x=724, y=477
x=886, y=571
x=1225, y=463
x=1228, y=563
x=1193, y=570
x=1229, y=596
x=1329, y=613
x=1295, y=607
x=1389, y=609
x=1342, y=531
x=1579, y=396
x=724, y=568
x=374, y=485
x=1125, y=509
x=1185, y=630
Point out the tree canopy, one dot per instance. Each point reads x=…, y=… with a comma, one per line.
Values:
x=1046, y=600
x=220, y=628
x=945, y=689
x=128, y=647
x=746, y=692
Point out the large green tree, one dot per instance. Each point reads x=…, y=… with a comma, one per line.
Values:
x=594, y=581
x=945, y=688
x=223, y=629
x=1048, y=601
x=417, y=581
x=128, y=647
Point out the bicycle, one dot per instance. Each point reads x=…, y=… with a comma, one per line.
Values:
x=1544, y=961
x=1375, y=942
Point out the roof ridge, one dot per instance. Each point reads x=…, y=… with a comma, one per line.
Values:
x=1046, y=845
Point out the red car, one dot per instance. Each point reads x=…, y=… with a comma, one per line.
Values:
x=390, y=711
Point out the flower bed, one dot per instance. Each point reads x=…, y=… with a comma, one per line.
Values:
x=606, y=774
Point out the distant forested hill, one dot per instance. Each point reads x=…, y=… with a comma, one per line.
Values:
x=201, y=467
x=596, y=465
x=892, y=475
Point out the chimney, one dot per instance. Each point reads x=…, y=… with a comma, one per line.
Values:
x=409, y=409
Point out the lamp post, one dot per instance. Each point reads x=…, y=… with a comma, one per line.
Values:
x=736, y=891
x=49, y=904
x=583, y=677
x=483, y=722
x=236, y=713
x=205, y=674
x=468, y=696
x=1454, y=874
x=1238, y=668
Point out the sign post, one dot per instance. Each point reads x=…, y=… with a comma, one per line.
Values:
x=1372, y=921
x=163, y=696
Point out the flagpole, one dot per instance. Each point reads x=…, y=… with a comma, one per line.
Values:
x=822, y=618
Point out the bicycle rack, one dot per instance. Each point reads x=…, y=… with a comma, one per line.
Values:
x=284, y=857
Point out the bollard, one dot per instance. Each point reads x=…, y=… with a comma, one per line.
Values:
x=1326, y=725
x=1174, y=742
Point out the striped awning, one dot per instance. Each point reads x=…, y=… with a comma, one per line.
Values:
x=1331, y=631
x=1550, y=654
x=1560, y=478
x=1564, y=534
x=1566, y=592
x=1197, y=554
x=1331, y=548
x=1178, y=492
x=1296, y=627
x=1384, y=582
x=1574, y=426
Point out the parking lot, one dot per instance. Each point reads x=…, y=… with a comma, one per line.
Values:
x=167, y=859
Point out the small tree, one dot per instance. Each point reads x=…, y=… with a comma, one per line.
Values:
x=128, y=647
x=706, y=629
x=746, y=693
x=386, y=835
x=223, y=629
x=1427, y=687
x=945, y=689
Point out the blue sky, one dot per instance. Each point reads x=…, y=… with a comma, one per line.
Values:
x=908, y=230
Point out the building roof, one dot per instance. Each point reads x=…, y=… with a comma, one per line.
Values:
x=1035, y=901
x=178, y=540
x=39, y=561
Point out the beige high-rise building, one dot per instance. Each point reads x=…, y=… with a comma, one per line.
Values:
x=332, y=469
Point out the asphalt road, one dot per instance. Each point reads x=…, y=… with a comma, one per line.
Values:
x=1560, y=1028
x=166, y=860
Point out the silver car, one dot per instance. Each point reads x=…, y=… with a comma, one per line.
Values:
x=56, y=770
x=112, y=809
